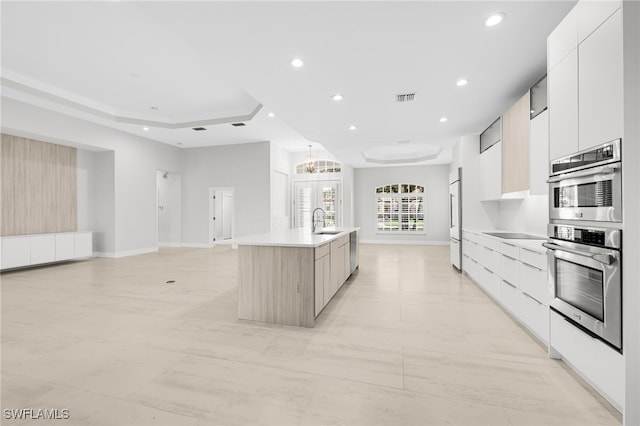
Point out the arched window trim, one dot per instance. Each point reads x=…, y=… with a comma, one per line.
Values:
x=320, y=166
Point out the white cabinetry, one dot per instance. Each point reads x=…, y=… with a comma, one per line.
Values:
x=514, y=275
x=65, y=246
x=585, y=81
x=491, y=173
x=16, y=252
x=539, y=154
x=43, y=249
x=600, y=365
x=600, y=84
x=28, y=250
x=562, y=84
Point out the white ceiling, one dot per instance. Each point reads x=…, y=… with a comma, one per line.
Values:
x=202, y=63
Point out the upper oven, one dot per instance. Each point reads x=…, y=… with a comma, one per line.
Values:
x=585, y=272
x=587, y=185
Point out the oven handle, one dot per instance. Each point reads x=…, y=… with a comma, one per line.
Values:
x=602, y=258
x=609, y=168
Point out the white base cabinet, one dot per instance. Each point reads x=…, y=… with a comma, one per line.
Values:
x=514, y=276
x=29, y=250
x=601, y=366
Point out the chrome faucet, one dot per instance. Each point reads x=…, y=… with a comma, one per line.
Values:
x=313, y=219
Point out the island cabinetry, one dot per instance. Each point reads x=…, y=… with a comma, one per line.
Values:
x=322, y=277
x=289, y=277
x=276, y=284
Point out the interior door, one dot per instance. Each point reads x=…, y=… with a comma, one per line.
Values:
x=227, y=215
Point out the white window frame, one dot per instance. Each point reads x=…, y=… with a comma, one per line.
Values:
x=321, y=167
x=398, y=197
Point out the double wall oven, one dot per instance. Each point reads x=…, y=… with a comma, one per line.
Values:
x=585, y=241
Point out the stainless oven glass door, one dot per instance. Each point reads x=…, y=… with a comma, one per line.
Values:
x=587, y=287
x=591, y=194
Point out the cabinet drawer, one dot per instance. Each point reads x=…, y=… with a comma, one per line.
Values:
x=533, y=258
x=16, y=252
x=323, y=251
x=510, y=270
x=509, y=297
x=65, y=246
x=535, y=316
x=510, y=250
x=43, y=249
x=534, y=282
x=490, y=282
x=489, y=258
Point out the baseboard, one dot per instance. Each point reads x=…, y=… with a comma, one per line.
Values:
x=170, y=245
x=196, y=245
x=118, y=254
x=405, y=242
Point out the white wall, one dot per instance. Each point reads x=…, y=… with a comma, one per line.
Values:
x=245, y=168
x=281, y=171
x=136, y=160
x=530, y=214
x=435, y=180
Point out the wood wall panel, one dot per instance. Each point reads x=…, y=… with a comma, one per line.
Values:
x=39, y=187
x=515, y=146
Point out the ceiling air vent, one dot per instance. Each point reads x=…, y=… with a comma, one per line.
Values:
x=405, y=97
x=238, y=124
x=199, y=129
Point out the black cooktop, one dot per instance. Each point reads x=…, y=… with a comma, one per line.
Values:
x=514, y=236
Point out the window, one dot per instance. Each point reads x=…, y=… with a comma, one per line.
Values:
x=311, y=194
x=400, y=208
x=319, y=166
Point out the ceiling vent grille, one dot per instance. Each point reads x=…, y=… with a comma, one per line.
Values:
x=405, y=97
x=199, y=129
x=238, y=124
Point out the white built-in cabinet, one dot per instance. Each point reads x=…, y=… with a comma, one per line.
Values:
x=491, y=173
x=539, y=154
x=514, y=275
x=29, y=250
x=584, y=68
x=600, y=84
x=562, y=86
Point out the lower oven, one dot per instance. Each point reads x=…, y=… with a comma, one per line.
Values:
x=585, y=271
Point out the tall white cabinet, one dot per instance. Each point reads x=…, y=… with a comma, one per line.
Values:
x=584, y=68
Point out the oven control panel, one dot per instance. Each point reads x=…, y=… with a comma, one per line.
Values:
x=591, y=236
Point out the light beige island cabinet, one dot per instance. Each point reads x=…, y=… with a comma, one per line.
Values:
x=288, y=277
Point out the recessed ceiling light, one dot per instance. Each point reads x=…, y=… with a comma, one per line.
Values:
x=443, y=119
x=352, y=127
x=337, y=97
x=494, y=19
x=271, y=115
x=462, y=82
x=146, y=129
x=297, y=63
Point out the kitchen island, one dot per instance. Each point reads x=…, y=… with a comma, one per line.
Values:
x=288, y=277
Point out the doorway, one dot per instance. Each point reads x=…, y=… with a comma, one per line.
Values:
x=169, y=212
x=311, y=194
x=221, y=214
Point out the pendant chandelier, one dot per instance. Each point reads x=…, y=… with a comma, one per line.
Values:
x=310, y=166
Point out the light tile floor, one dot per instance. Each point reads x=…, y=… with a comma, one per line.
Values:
x=407, y=341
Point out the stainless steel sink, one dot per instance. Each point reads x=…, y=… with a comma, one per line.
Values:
x=327, y=232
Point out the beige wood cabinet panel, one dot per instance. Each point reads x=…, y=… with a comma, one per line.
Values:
x=515, y=146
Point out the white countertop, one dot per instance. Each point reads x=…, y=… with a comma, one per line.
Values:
x=535, y=245
x=299, y=237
